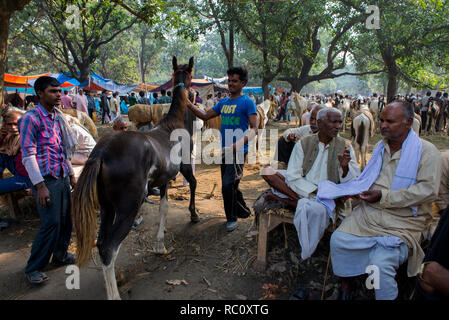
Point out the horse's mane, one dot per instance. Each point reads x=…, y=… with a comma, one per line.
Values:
x=172, y=119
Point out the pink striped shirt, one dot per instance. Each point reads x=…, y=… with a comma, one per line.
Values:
x=40, y=135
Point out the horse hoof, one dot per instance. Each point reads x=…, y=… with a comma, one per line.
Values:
x=194, y=219
x=160, y=249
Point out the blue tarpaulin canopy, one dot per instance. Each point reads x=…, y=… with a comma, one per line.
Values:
x=106, y=84
x=64, y=80
x=255, y=90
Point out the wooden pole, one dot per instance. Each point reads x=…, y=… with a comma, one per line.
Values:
x=328, y=259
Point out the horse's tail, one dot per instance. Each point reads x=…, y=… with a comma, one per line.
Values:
x=85, y=206
x=360, y=133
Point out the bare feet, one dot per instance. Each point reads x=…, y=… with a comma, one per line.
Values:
x=291, y=203
x=272, y=196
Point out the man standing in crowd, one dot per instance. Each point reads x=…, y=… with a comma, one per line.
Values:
x=237, y=114
x=66, y=101
x=47, y=145
x=90, y=104
x=81, y=101
x=424, y=109
x=142, y=99
x=105, y=107
x=164, y=98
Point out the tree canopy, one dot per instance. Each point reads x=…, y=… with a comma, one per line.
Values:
x=308, y=45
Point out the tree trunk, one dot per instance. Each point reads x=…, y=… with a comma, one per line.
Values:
x=84, y=72
x=231, y=46
x=266, y=91
x=4, y=31
x=141, y=60
x=7, y=7
x=297, y=85
x=392, y=86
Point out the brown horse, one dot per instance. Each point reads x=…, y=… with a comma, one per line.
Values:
x=119, y=172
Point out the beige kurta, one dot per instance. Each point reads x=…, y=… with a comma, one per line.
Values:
x=443, y=195
x=392, y=216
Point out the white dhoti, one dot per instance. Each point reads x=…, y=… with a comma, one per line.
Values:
x=351, y=255
x=311, y=220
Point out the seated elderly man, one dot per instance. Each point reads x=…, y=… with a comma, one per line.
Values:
x=315, y=158
x=395, y=191
x=85, y=142
x=292, y=135
x=120, y=124
x=11, y=154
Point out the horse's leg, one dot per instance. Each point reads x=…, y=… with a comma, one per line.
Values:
x=187, y=172
x=163, y=208
x=115, y=226
x=363, y=151
x=357, y=151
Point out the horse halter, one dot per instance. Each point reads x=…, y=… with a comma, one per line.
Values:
x=181, y=84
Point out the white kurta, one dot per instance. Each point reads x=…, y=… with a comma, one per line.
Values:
x=304, y=186
x=311, y=218
x=85, y=144
x=302, y=131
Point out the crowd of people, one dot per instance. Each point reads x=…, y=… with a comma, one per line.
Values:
x=392, y=199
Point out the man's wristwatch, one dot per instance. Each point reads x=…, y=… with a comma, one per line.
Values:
x=421, y=270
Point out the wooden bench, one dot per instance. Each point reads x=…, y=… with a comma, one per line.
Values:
x=270, y=214
x=268, y=220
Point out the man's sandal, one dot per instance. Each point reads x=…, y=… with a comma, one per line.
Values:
x=36, y=277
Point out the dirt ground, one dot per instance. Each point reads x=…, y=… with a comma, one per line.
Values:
x=204, y=261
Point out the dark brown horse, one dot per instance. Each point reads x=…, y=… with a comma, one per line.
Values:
x=116, y=177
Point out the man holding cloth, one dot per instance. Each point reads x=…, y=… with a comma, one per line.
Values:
x=392, y=208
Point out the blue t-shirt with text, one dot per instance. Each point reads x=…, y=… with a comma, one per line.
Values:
x=234, y=115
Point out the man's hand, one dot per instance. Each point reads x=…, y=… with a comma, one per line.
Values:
x=3, y=131
x=292, y=137
x=344, y=158
x=73, y=181
x=371, y=195
x=43, y=195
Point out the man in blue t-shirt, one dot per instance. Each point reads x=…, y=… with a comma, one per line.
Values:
x=238, y=112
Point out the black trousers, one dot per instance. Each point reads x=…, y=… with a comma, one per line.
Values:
x=234, y=204
x=424, y=120
x=53, y=237
x=284, y=150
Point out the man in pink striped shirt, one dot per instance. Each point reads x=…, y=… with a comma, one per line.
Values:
x=45, y=157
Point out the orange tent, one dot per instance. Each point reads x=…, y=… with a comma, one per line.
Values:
x=11, y=80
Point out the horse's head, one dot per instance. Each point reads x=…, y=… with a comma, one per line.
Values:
x=183, y=73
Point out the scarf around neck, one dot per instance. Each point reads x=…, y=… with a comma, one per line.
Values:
x=404, y=177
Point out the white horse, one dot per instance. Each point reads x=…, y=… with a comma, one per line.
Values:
x=361, y=130
x=374, y=109
x=344, y=106
x=301, y=107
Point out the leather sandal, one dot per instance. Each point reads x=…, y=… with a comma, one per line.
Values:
x=36, y=277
